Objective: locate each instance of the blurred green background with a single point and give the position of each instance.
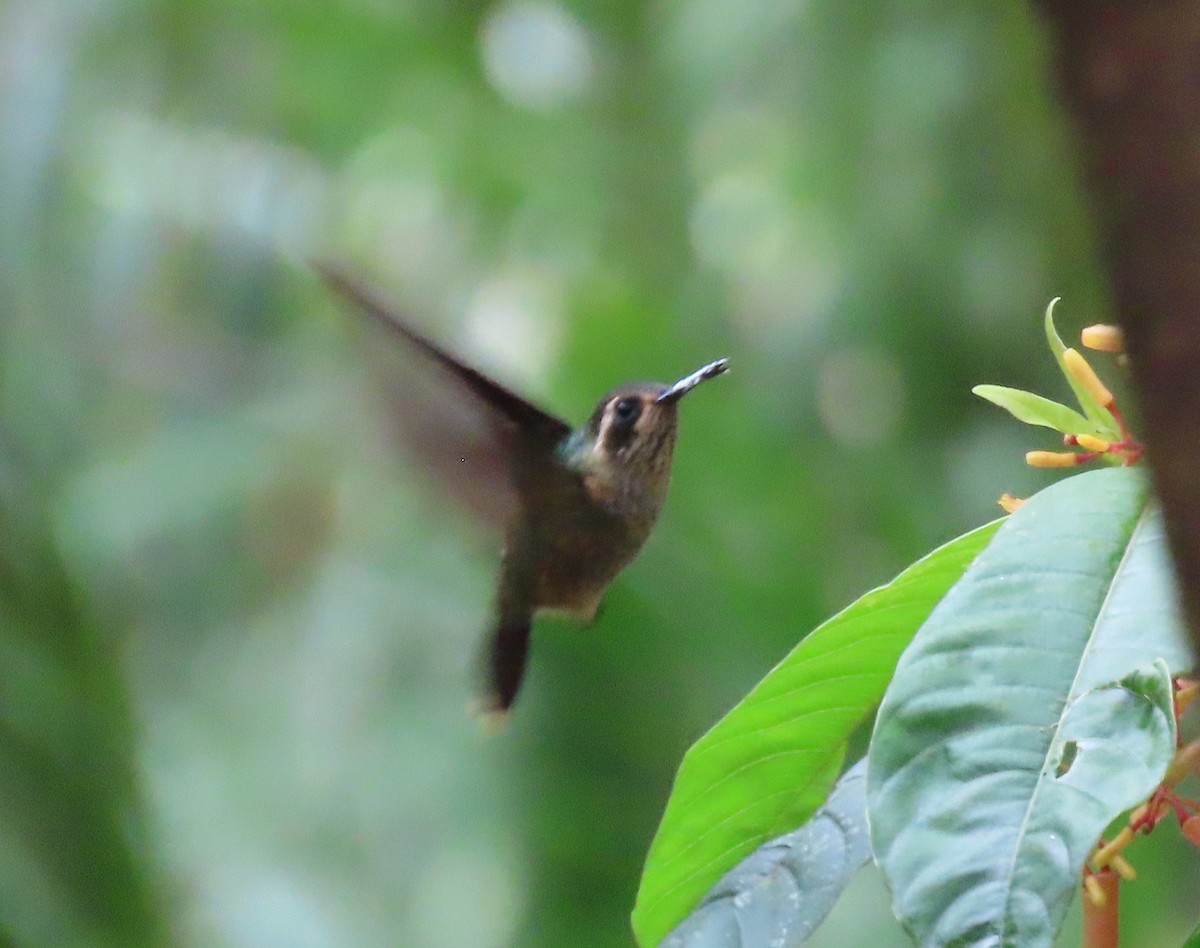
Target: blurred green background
(237, 631)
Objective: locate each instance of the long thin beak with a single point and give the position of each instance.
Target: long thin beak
(685, 385)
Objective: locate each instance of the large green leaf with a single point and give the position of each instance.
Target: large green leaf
(766, 766)
(1032, 708)
(781, 892)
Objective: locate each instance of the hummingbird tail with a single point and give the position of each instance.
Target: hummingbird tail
(508, 651)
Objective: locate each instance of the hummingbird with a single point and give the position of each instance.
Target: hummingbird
(574, 505)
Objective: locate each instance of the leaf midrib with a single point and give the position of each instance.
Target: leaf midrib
(1043, 778)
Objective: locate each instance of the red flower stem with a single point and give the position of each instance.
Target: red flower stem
(1101, 923)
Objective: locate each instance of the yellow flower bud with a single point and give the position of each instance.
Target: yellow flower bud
(1103, 338)
(1105, 854)
(1092, 443)
(1078, 366)
(1123, 868)
(1051, 459)
(1095, 891)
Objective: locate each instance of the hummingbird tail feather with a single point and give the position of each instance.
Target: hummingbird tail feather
(508, 651)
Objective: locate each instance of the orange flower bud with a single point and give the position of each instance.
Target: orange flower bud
(1078, 366)
(1051, 459)
(1009, 503)
(1191, 829)
(1188, 692)
(1103, 338)
(1092, 443)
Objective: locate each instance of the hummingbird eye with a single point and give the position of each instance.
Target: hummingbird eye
(626, 410)
(618, 424)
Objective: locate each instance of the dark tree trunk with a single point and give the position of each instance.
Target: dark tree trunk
(1130, 76)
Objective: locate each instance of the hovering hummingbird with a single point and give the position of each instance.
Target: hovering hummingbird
(575, 505)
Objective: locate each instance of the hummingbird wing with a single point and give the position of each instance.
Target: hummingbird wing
(462, 426)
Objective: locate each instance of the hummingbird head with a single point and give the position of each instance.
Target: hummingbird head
(633, 428)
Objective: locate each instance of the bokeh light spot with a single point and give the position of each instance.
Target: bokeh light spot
(741, 222)
(536, 54)
(476, 878)
(860, 396)
(513, 325)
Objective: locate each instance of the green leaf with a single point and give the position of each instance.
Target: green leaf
(1033, 707)
(1193, 940)
(781, 892)
(768, 764)
(1035, 410)
(1102, 421)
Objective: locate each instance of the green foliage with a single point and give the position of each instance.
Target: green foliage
(768, 764)
(285, 622)
(782, 892)
(1035, 409)
(1033, 707)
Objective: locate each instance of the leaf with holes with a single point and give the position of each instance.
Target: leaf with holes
(1032, 708)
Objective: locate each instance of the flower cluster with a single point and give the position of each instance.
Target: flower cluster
(1099, 428)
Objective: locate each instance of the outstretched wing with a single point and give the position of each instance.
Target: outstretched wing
(461, 426)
